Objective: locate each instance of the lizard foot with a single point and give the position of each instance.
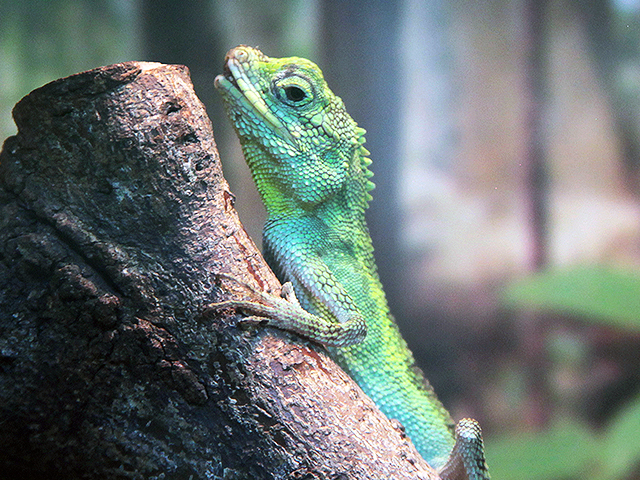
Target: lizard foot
(285, 312)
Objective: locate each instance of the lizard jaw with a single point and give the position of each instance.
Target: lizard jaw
(235, 82)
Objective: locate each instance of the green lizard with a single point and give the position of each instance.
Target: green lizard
(307, 158)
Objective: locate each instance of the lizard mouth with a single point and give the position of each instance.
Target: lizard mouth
(226, 73)
(228, 76)
(235, 82)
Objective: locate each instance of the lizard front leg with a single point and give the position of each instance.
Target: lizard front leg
(286, 313)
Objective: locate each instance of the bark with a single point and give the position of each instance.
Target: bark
(114, 220)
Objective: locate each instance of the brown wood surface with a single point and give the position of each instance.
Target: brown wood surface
(114, 220)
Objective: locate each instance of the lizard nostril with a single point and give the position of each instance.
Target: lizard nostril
(241, 55)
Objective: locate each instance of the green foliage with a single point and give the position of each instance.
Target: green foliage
(620, 445)
(569, 449)
(562, 451)
(598, 294)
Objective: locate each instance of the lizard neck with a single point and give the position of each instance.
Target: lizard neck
(314, 185)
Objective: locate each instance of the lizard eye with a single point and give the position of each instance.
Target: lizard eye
(294, 90)
(295, 94)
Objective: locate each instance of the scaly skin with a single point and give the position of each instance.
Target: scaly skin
(307, 158)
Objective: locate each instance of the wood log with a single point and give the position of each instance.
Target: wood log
(115, 223)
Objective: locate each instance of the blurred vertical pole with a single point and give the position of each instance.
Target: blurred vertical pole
(535, 154)
(531, 330)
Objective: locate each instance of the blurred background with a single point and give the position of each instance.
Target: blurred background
(505, 137)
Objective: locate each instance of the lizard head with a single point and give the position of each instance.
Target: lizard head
(292, 128)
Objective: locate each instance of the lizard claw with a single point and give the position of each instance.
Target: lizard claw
(289, 294)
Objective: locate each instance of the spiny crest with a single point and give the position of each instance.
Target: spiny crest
(365, 161)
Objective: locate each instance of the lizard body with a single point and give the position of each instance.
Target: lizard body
(307, 158)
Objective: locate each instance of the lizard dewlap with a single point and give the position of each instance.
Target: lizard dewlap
(309, 164)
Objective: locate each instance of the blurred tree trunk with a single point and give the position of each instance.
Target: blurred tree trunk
(114, 216)
(535, 158)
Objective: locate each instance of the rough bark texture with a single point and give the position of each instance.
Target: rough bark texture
(114, 216)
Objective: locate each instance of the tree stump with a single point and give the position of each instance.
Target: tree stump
(115, 221)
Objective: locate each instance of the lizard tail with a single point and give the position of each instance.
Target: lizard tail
(466, 461)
